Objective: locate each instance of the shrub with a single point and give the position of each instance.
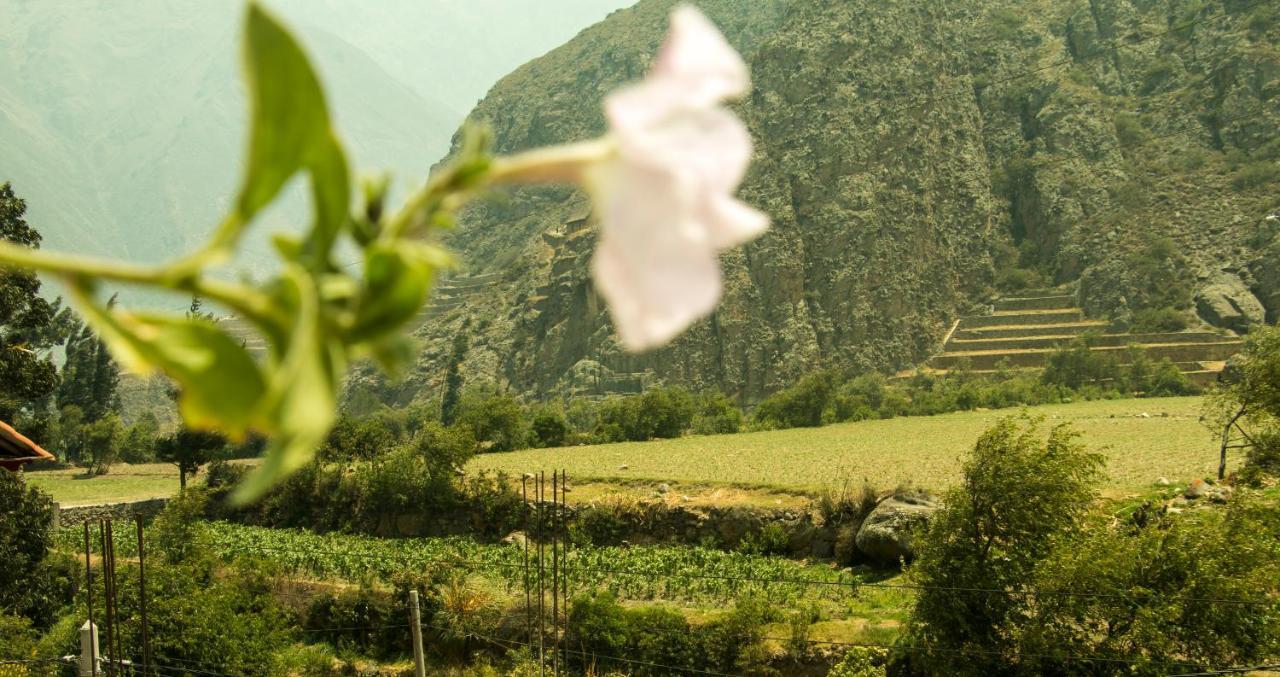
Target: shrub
(1256, 174)
(716, 415)
(1154, 320)
(363, 620)
(1075, 365)
(601, 631)
(658, 413)
(497, 421)
(1020, 494)
(1156, 585)
(548, 428)
(1129, 129)
(354, 439)
(800, 406)
(1263, 457)
(861, 662)
(35, 585)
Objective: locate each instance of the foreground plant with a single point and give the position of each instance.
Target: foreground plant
(662, 183)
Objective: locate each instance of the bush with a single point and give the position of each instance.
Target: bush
(1075, 365)
(364, 621)
(1155, 320)
(601, 631)
(656, 414)
(800, 406)
(548, 428)
(35, 585)
(861, 662)
(716, 415)
(1155, 588)
(1263, 457)
(497, 421)
(1256, 174)
(1020, 494)
(353, 439)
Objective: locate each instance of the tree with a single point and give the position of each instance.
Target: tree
(1248, 394)
(90, 377)
(496, 419)
(29, 325)
(453, 380)
(189, 449)
(1020, 495)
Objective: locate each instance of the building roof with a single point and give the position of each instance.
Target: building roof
(16, 449)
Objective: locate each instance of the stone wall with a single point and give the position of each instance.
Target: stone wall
(115, 511)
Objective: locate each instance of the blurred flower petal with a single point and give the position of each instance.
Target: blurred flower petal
(666, 198)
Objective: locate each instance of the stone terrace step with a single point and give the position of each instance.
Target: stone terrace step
(1098, 341)
(1008, 318)
(1057, 302)
(1176, 352)
(1022, 330)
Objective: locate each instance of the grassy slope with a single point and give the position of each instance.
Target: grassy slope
(924, 451)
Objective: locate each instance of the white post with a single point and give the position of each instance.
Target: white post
(415, 616)
(89, 656)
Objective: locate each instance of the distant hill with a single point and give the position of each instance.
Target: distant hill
(915, 156)
(122, 124)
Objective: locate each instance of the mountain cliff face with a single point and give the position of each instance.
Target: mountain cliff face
(910, 154)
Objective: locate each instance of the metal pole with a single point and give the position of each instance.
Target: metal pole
(88, 588)
(106, 592)
(115, 597)
(564, 565)
(528, 597)
(555, 576)
(415, 618)
(542, 573)
(142, 601)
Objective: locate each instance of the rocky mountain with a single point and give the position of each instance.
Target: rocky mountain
(122, 124)
(915, 156)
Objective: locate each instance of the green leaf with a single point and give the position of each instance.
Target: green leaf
(301, 399)
(290, 131)
(397, 279)
(222, 387)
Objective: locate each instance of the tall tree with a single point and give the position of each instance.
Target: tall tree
(29, 325)
(453, 379)
(90, 376)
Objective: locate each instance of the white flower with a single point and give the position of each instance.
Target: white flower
(666, 195)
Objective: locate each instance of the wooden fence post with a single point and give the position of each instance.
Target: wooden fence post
(415, 618)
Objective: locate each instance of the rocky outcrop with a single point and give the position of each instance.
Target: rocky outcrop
(905, 150)
(1226, 301)
(886, 536)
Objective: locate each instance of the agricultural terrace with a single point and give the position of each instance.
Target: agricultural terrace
(1143, 440)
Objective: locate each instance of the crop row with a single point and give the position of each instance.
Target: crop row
(634, 572)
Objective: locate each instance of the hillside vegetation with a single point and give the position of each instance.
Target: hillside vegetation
(916, 157)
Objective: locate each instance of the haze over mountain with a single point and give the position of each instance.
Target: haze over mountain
(122, 124)
(917, 158)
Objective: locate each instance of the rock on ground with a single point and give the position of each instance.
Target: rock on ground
(886, 534)
(1225, 301)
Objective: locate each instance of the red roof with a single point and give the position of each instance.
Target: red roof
(16, 449)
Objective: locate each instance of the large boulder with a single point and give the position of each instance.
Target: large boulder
(886, 534)
(1225, 301)
(1266, 273)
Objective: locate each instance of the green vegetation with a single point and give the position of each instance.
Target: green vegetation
(1142, 439)
(1056, 585)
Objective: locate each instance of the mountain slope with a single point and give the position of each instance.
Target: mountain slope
(911, 154)
(123, 124)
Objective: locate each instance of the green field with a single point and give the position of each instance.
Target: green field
(926, 451)
(1169, 441)
(124, 483)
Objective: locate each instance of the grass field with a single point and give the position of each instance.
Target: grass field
(124, 483)
(925, 451)
(1169, 441)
